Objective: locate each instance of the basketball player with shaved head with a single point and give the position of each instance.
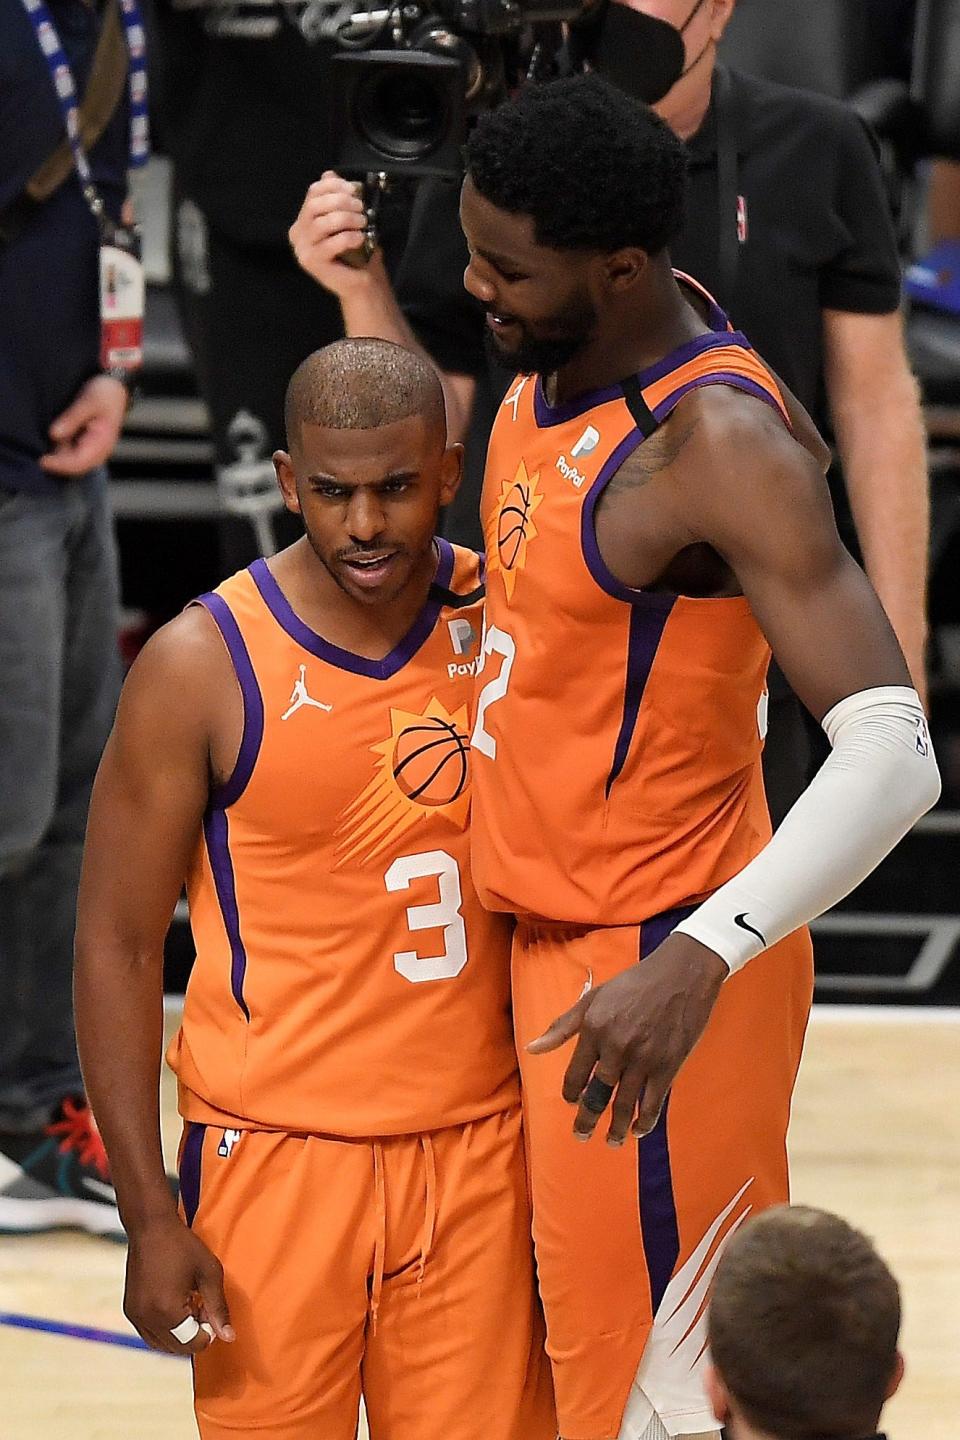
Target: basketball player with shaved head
(354, 1210)
(652, 530)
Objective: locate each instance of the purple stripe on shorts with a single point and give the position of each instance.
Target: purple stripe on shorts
(190, 1159)
(252, 737)
(717, 377)
(216, 832)
(421, 630)
(646, 629)
(658, 1211)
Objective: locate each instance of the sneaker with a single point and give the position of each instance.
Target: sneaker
(58, 1176)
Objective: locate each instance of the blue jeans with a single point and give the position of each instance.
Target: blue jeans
(59, 681)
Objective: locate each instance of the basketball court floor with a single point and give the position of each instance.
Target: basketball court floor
(875, 1136)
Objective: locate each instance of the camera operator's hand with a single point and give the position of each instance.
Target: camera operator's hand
(332, 222)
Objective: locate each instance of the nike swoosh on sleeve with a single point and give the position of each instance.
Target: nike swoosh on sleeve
(741, 920)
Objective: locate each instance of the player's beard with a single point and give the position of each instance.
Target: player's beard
(407, 562)
(570, 330)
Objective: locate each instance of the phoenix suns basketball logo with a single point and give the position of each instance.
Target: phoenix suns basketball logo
(423, 768)
(514, 526)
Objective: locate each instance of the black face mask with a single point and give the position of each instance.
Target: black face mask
(639, 54)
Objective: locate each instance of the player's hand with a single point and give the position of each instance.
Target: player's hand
(332, 221)
(171, 1275)
(85, 434)
(635, 1031)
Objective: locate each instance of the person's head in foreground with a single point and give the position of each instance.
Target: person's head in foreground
(368, 466)
(803, 1325)
(573, 194)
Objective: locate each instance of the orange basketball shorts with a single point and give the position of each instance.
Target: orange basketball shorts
(401, 1269)
(627, 1240)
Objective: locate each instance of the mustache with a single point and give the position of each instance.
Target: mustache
(367, 552)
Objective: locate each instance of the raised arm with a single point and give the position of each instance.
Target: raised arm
(145, 819)
(331, 223)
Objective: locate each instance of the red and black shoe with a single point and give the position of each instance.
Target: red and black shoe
(58, 1176)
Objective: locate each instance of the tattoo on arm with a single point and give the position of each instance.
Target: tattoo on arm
(653, 455)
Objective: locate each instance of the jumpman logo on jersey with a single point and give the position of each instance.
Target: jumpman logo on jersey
(514, 399)
(299, 698)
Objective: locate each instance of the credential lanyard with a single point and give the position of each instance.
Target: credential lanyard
(61, 77)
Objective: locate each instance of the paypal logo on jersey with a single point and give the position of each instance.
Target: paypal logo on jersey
(570, 472)
(587, 443)
(463, 637)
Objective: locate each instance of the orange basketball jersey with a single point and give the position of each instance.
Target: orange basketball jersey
(618, 733)
(347, 980)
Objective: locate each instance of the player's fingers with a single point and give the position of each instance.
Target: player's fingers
(214, 1302)
(580, 1068)
(596, 1096)
(625, 1105)
(651, 1104)
(563, 1029)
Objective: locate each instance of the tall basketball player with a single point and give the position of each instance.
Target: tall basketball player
(355, 1212)
(652, 530)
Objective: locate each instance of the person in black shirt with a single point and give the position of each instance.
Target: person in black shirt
(242, 110)
(797, 245)
(803, 1325)
(59, 602)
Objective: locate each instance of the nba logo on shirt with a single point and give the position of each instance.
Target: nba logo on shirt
(588, 441)
(462, 636)
(742, 219)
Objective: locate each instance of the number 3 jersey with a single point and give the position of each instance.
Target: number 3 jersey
(618, 734)
(347, 979)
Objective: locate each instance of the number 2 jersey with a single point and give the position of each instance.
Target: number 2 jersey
(618, 734)
(347, 979)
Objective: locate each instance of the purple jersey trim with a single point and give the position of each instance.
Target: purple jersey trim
(191, 1157)
(717, 318)
(546, 414)
(421, 630)
(658, 1211)
(656, 601)
(252, 738)
(216, 832)
(646, 630)
(717, 377)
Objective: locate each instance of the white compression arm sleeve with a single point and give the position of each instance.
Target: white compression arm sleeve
(879, 779)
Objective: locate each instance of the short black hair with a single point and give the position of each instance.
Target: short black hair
(360, 384)
(593, 168)
(803, 1324)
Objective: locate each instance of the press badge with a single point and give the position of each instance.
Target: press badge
(121, 300)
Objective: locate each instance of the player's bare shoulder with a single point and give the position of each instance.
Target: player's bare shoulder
(182, 692)
(742, 464)
(721, 459)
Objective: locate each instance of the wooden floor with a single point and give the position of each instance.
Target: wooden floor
(876, 1136)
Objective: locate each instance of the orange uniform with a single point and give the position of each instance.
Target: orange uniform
(346, 1063)
(617, 771)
